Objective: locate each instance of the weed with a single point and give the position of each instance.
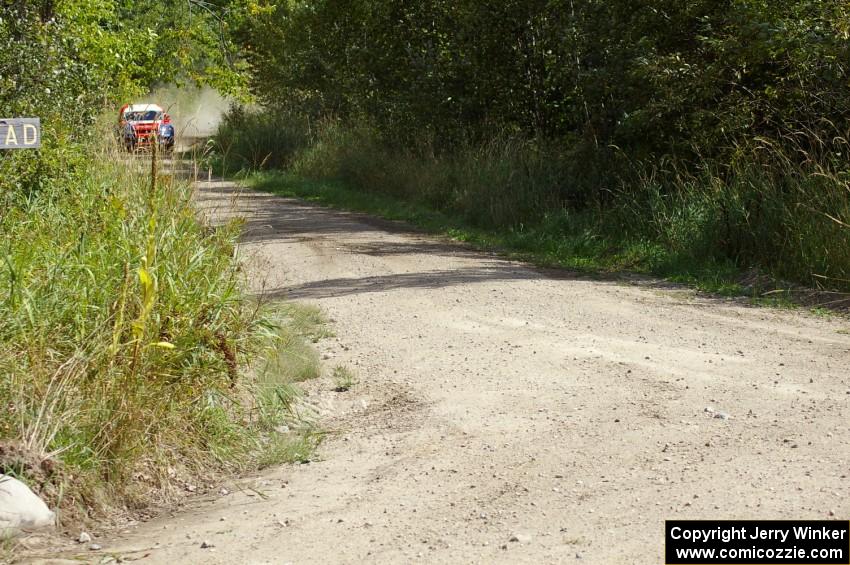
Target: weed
(297, 446)
(293, 359)
(8, 548)
(268, 141)
(782, 299)
(306, 320)
(344, 379)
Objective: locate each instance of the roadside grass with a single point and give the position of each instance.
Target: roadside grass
(566, 240)
(289, 434)
(298, 447)
(773, 218)
(294, 358)
(777, 299)
(305, 320)
(821, 312)
(132, 360)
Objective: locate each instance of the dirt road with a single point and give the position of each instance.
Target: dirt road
(510, 415)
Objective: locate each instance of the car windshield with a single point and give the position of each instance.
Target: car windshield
(149, 116)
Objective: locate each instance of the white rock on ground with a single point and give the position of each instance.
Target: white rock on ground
(20, 509)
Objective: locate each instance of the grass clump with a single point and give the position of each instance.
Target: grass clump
(289, 436)
(294, 358)
(343, 378)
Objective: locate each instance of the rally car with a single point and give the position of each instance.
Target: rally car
(141, 125)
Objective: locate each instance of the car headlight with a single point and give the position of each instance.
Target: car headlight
(166, 131)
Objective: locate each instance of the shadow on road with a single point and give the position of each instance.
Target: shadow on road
(426, 280)
(267, 221)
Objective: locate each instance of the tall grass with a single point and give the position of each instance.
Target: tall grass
(774, 209)
(779, 206)
(252, 140)
(126, 340)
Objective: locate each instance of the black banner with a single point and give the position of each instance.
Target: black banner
(754, 542)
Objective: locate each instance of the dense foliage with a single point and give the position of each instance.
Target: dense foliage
(714, 129)
(657, 75)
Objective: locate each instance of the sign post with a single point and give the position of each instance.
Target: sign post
(20, 133)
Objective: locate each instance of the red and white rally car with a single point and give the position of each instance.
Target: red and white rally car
(140, 125)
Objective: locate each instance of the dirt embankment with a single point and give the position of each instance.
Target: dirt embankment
(505, 414)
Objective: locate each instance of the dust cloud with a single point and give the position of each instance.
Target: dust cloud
(195, 112)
